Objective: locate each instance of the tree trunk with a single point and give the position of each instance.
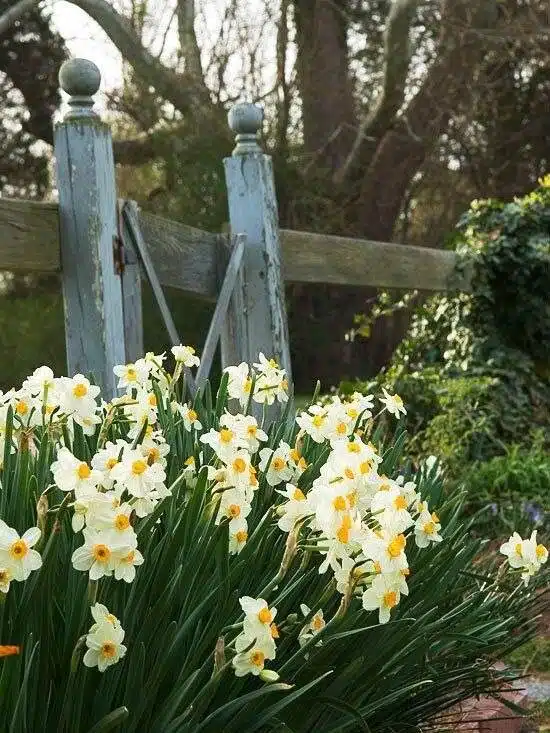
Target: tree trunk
(320, 315)
(329, 117)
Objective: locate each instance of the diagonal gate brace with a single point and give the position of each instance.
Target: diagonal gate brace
(131, 219)
(222, 304)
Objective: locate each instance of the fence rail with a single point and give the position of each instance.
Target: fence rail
(185, 257)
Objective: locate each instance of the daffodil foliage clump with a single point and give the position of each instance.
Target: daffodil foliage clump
(179, 565)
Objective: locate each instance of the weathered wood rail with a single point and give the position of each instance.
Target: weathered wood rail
(90, 238)
(185, 257)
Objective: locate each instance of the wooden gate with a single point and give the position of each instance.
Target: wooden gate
(104, 247)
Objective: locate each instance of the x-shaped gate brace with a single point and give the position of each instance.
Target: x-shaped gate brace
(129, 216)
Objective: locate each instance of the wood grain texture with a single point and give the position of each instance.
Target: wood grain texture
(184, 257)
(220, 312)
(322, 258)
(130, 215)
(92, 292)
(253, 212)
(29, 236)
(188, 258)
(131, 295)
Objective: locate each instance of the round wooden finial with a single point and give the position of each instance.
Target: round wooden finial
(80, 79)
(245, 119)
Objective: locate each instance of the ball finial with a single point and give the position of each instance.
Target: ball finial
(245, 119)
(80, 79)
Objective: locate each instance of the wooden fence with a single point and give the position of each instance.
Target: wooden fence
(91, 239)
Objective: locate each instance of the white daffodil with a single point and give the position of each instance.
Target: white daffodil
(383, 595)
(190, 417)
(352, 571)
(92, 508)
(72, 474)
(116, 517)
(238, 470)
(246, 428)
(258, 617)
(6, 577)
(27, 409)
(297, 462)
(339, 424)
(393, 403)
(233, 506)
(295, 508)
(77, 397)
(239, 385)
(105, 646)
(88, 423)
(102, 616)
(186, 355)
(314, 423)
(426, 529)
(360, 406)
(316, 624)
(331, 500)
(132, 376)
(16, 554)
(391, 510)
(386, 548)
(134, 474)
(276, 464)
(107, 458)
(155, 448)
(125, 565)
(513, 549)
(101, 552)
(271, 382)
(40, 382)
(527, 555)
(224, 443)
(361, 457)
(238, 535)
(252, 660)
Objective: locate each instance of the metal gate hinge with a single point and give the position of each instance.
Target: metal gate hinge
(118, 254)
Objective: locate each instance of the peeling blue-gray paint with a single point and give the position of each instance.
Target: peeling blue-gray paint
(92, 292)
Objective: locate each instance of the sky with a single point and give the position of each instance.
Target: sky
(85, 38)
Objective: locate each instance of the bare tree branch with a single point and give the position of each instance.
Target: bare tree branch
(176, 88)
(397, 56)
(283, 102)
(166, 32)
(404, 146)
(189, 48)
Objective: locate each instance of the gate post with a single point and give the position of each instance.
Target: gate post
(91, 258)
(256, 319)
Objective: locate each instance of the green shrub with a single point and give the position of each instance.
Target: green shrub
(497, 336)
(339, 668)
(515, 487)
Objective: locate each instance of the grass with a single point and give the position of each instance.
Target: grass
(540, 714)
(533, 657)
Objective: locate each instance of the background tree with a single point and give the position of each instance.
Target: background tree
(30, 56)
(384, 118)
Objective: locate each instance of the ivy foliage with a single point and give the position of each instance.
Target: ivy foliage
(474, 367)
(510, 248)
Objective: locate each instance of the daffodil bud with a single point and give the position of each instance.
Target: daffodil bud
(42, 507)
(268, 675)
(219, 654)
